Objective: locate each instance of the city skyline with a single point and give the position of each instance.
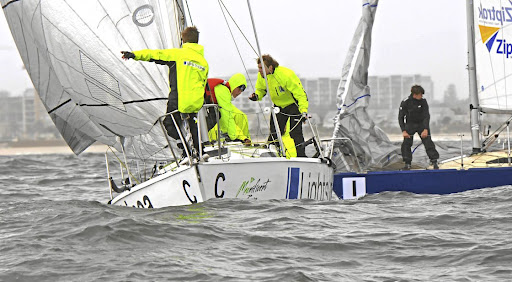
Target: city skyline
(313, 45)
(24, 117)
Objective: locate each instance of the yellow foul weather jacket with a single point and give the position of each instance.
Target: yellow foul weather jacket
(232, 121)
(285, 89)
(187, 75)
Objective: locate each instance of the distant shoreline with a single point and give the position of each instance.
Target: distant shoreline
(60, 147)
(42, 150)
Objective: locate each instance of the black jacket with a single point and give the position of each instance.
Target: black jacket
(413, 112)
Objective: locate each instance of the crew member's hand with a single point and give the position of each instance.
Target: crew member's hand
(424, 133)
(247, 142)
(305, 116)
(127, 55)
(253, 97)
(405, 134)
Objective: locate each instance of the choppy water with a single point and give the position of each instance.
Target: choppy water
(55, 225)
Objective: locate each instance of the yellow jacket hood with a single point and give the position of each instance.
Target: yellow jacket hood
(237, 80)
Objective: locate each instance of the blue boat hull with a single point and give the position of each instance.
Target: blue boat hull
(445, 181)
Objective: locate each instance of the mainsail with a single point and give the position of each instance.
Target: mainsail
(371, 144)
(493, 52)
(71, 50)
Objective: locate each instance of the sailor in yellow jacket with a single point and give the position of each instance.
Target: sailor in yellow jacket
(188, 71)
(287, 93)
(232, 120)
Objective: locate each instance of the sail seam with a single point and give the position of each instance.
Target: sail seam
(8, 3)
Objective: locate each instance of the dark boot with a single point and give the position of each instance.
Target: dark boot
(434, 164)
(407, 167)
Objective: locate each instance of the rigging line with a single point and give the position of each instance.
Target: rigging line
(9, 3)
(189, 14)
(239, 29)
(493, 79)
(504, 65)
(234, 41)
(227, 23)
(176, 17)
(181, 10)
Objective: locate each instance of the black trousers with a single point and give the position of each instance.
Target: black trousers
(430, 147)
(290, 112)
(180, 118)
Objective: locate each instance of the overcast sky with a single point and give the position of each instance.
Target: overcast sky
(312, 38)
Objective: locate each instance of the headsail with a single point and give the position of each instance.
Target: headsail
(70, 49)
(493, 53)
(372, 145)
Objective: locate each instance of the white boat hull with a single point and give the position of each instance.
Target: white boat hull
(258, 179)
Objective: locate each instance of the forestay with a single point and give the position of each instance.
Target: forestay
(71, 50)
(493, 53)
(373, 148)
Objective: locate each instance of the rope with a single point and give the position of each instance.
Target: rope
(189, 14)
(234, 41)
(124, 165)
(222, 8)
(221, 4)
(248, 42)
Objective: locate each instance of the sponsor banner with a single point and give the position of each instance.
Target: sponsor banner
(493, 51)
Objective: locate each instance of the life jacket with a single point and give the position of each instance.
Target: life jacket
(209, 90)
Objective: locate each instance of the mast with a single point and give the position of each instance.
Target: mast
(273, 113)
(473, 90)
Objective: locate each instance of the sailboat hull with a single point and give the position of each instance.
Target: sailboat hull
(257, 179)
(444, 181)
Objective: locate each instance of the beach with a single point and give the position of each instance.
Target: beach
(42, 150)
(60, 147)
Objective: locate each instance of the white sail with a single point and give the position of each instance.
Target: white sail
(372, 146)
(71, 50)
(493, 53)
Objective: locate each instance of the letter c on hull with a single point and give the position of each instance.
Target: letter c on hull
(216, 182)
(185, 183)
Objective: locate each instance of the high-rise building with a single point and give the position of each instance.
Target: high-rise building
(22, 117)
(28, 113)
(388, 91)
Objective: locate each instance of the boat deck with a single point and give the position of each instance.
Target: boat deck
(479, 171)
(480, 160)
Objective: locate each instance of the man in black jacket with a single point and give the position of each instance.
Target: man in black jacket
(414, 117)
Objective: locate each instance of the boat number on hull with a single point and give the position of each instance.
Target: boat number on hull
(185, 183)
(354, 187)
(145, 204)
